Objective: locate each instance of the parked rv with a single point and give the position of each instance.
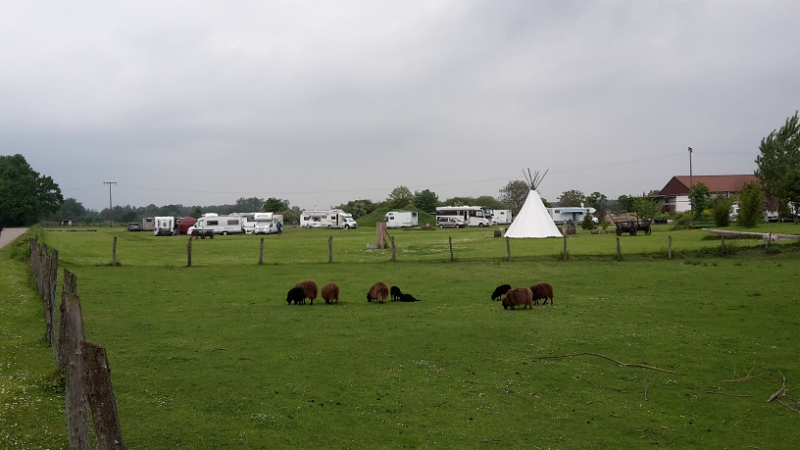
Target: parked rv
(473, 216)
(502, 217)
(401, 219)
(266, 223)
(565, 214)
(335, 218)
(163, 226)
(223, 225)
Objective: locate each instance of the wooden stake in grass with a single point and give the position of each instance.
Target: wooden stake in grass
(508, 249)
(261, 253)
(450, 240)
(394, 252)
(565, 247)
(619, 249)
(669, 248)
(189, 252)
(330, 248)
(100, 396)
(114, 253)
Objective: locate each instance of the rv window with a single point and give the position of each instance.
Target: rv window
(558, 211)
(413, 214)
(213, 222)
(233, 222)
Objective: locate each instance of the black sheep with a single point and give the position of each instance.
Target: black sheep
(408, 298)
(395, 292)
(500, 291)
(296, 295)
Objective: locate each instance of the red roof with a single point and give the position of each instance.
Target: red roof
(679, 185)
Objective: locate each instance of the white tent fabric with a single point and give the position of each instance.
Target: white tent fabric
(533, 221)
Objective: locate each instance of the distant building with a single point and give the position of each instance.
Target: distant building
(674, 197)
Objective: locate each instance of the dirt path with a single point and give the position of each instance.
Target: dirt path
(9, 234)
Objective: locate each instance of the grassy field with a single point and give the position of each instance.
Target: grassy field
(213, 357)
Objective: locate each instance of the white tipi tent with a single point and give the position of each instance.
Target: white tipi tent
(533, 221)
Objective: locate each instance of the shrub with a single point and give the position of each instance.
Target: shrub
(721, 212)
(587, 223)
(682, 221)
(751, 204)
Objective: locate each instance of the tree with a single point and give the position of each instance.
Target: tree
(722, 211)
(71, 209)
(128, 216)
(780, 159)
(624, 204)
(400, 198)
(358, 208)
(700, 197)
(751, 204)
(599, 202)
(25, 195)
(514, 195)
(571, 198)
(197, 213)
(251, 204)
(274, 205)
(426, 200)
(793, 193)
(645, 207)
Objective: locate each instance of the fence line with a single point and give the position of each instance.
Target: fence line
(83, 363)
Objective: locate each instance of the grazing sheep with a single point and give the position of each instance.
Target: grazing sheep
(519, 296)
(542, 291)
(395, 291)
(379, 291)
(309, 288)
(330, 292)
(295, 295)
(409, 298)
(500, 291)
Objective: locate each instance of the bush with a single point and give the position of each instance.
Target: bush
(751, 204)
(587, 223)
(721, 212)
(682, 221)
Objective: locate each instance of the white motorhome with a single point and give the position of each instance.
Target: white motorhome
(163, 226)
(223, 225)
(335, 218)
(266, 223)
(502, 217)
(473, 216)
(401, 219)
(565, 214)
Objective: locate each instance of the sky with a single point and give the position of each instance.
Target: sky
(320, 102)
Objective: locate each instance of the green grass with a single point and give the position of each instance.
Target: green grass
(213, 357)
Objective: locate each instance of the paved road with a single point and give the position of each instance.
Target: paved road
(9, 234)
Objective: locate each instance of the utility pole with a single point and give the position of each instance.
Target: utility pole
(691, 206)
(110, 205)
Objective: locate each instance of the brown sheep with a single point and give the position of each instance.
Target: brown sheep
(542, 291)
(330, 292)
(379, 291)
(519, 296)
(309, 288)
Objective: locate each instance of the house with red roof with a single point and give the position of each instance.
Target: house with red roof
(674, 197)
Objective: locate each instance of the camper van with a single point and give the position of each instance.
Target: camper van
(565, 214)
(401, 219)
(335, 218)
(223, 225)
(163, 226)
(473, 216)
(502, 217)
(266, 223)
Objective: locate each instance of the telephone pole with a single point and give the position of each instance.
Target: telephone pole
(691, 205)
(110, 205)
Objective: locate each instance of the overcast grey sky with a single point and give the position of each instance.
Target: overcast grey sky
(322, 102)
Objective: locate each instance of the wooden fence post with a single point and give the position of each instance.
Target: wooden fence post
(114, 253)
(769, 239)
(619, 249)
(330, 249)
(69, 287)
(75, 408)
(261, 253)
(508, 249)
(669, 248)
(49, 277)
(100, 396)
(189, 252)
(394, 251)
(450, 239)
(565, 247)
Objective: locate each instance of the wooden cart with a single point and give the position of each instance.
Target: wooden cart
(630, 223)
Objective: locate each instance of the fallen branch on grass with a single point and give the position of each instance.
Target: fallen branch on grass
(784, 404)
(619, 363)
(710, 391)
(605, 387)
(744, 378)
(782, 390)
